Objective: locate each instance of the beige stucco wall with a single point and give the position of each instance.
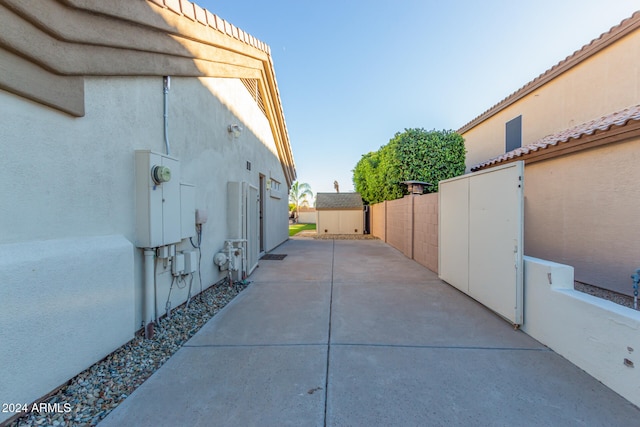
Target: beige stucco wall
(607, 82)
(340, 222)
(400, 224)
(67, 177)
(583, 210)
(379, 220)
(425, 230)
(410, 225)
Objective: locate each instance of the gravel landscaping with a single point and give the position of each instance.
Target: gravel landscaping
(621, 299)
(93, 393)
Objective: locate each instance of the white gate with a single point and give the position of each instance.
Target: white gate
(481, 222)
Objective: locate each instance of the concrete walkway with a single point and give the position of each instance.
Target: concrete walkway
(352, 333)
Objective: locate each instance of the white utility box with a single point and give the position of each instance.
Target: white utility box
(190, 262)
(177, 266)
(157, 200)
(236, 209)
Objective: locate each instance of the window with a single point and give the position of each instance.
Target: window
(513, 134)
(275, 189)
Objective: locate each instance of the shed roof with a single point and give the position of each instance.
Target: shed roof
(621, 125)
(338, 201)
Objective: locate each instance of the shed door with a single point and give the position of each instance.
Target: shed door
(480, 233)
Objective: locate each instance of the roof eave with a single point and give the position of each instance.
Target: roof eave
(141, 38)
(616, 133)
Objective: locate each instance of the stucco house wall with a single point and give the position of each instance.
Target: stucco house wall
(580, 140)
(598, 79)
(587, 222)
(71, 278)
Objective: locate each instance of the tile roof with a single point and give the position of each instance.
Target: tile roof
(338, 201)
(602, 124)
(196, 13)
(617, 32)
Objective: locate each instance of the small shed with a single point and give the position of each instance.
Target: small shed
(339, 213)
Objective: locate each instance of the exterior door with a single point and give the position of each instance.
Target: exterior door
(253, 228)
(261, 202)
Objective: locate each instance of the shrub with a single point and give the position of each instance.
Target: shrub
(415, 154)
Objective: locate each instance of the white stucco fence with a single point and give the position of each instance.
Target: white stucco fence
(307, 217)
(598, 336)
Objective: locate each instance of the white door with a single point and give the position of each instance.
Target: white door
(453, 234)
(253, 228)
(480, 233)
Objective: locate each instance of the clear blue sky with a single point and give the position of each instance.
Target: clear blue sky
(351, 74)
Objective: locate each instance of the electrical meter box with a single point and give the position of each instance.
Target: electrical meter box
(158, 208)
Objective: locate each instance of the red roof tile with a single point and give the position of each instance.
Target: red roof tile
(602, 124)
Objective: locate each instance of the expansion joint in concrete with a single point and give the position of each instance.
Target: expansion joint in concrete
(326, 382)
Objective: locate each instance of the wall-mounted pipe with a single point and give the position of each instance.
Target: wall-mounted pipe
(236, 248)
(636, 280)
(149, 292)
(166, 86)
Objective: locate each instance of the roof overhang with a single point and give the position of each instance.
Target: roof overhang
(617, 127)
(70, 39)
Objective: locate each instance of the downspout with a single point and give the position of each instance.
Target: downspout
(166, 83)
(149, 292)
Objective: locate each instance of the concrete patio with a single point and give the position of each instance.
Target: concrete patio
(352, 333)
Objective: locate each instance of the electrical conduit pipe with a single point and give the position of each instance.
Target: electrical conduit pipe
(166, 81)
(148, 296)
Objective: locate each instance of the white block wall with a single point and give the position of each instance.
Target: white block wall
(599, 336)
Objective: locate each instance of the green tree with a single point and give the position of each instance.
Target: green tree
(365, 177)
(299, 192)
(414, 154)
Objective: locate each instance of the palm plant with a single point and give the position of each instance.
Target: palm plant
(299, 192)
